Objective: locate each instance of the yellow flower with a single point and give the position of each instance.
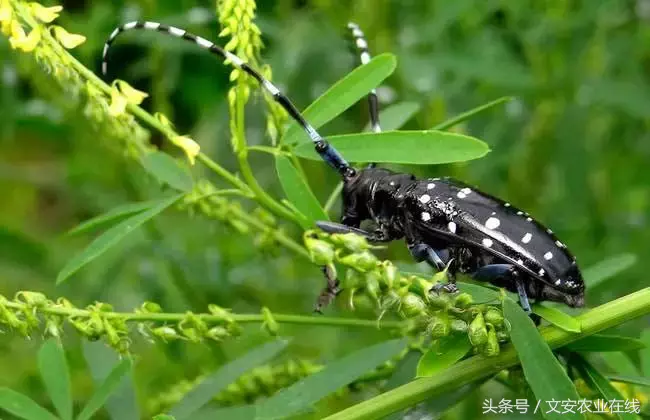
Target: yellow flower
(118, 103)
(133, 96)
(45, 14)
(163, 119)
(5, 12)
(67, 39)
(23, 42)
(189, 146)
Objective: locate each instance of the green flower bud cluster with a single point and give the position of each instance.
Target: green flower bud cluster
(262, 381)
(374, 285)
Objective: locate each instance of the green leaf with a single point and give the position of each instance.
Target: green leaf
(604, 342)
(445, 353)
(606, 269)
(227, 374)
(342, 95)
(396, 115)
(298, 192)
(410, 147)
(114, 214)
(108, 386)
(111, 237)
(543, 372)
(645, 354)
(480, 294)
(634, 380)
(469, 114)
(313, 388)
(557, 318)
(56, 378)
(163, 417)
(22, 406)
(600, 383)
(168, 170)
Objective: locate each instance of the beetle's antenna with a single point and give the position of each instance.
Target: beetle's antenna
(323, 148)
(373, 103)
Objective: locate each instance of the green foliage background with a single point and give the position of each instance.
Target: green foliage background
(573, 148)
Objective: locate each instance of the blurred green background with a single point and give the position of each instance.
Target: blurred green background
(572, 147)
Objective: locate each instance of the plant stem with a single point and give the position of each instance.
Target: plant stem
(209, 318)
(333, 196)
(605, 316)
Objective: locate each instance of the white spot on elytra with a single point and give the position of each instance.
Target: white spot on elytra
(425, 199)
(558, 281)
(492, 223)
(431, 186)
(506, 204)
(463, 193)
(452, 227)
(520, 261)
(541, 271)
(527, 237)
(549, 231)
(559, 244)
(519, 213)
(426, 216)
(392, 183)
(528, 219)
(487, 242)
(548, 255)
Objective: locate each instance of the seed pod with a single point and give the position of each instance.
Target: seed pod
(439, 301)
(351, 241)
(222, 313)
(372, 285)
(31, 298)
(362, 261)
(320, 252)
(217, 333)
(166, 333)
(420, 286)
(477, 332)
(353, 279)
(492, 345)
(463, 301)
(151, 307)
(270, 324)
(494, 316)
(438, 326)
(389, 273)
(458, 325)
(413, 305)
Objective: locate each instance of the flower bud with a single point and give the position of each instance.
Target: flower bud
(413, 305)
(151, 307)
(217, 333)
(31, 298)
(494, 316)
(477, 332)
(438, 326)
(221, 313)
(372, 285)
(438, 301)
(389, 273)
(166, 333)
(353, 279)
(362, 261)
(463, 301)
(458, 325)
(320, 252)
(351, 241)
(270, 324)
(492, 345)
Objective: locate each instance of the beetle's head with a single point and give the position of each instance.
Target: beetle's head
(573, 291)
(357, 190)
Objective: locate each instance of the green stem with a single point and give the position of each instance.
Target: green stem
(333, 196)
(605, 316)
(209, 318)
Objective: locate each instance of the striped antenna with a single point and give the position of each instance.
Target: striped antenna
(323, 148)
(362, 45)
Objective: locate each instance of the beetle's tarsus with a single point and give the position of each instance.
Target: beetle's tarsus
(448, 287)
(523, 297)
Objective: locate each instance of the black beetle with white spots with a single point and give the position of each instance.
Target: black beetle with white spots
(443, 221)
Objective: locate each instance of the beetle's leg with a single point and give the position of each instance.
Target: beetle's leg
(435, 258)
(380, 235)
(330, 291)
(494, 271)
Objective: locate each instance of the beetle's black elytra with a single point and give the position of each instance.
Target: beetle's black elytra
(442, 220)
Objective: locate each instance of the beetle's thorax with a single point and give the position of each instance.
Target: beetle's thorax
(375, 194)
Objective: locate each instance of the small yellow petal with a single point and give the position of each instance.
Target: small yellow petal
(118, 103)
(163, 119)
(189, 146)
(67, 39)
(5, 11)
(31, 41)
(132, 95)
(45, 14)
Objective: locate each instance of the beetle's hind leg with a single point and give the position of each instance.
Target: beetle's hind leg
(492, 272)
(436, 259)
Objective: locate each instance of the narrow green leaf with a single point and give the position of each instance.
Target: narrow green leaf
(448, 351)
(557, 317)
(240, 412)
(342, 95)
(469, 114)
(620, 363)
(645, 354)
(55, 376)
(543, 372)
(112, 215)
(410, 147)
(396, 115)
(480, 294)
(313, 388)
(111, 237)
(600, 383)
(105, 390)
(604, 342)
(606, 269)
(168, 170)
(298, 192)
(22, 406)
(163, 417)
(101, 360)
(227, 374)
(634, 380)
